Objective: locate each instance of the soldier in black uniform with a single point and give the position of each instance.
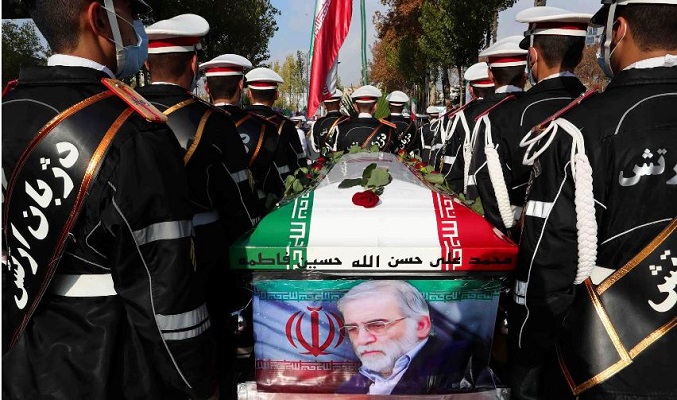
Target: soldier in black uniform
(555, 42)
(225, 82)
(405, 133)
(604, 186)
(459, 126)
(365, 130)
(107, 213)
(428, 131)
(506, 62)
(225, 206)
(322, 133)
(262, 91)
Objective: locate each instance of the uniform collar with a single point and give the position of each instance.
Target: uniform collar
(66, 60)
(667, 60)
(559, 75)
(508, 89)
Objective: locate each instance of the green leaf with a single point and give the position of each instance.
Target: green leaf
(366, 174)
(379, 177)
(297, 186)
(354, 149)
(434, 178)
(350, 182)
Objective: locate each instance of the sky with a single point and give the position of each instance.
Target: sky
(296, 21)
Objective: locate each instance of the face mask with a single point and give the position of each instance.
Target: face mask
(605, 52)
(604, 65)
(193, 84)
(530, 71)
(130, 58)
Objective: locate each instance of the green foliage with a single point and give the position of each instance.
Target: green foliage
(373, 178)
(236, 26)
(20, 47)
(293, 92)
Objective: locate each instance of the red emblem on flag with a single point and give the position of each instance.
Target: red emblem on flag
(320, 339)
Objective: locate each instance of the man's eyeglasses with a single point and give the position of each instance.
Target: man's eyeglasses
(375, 327)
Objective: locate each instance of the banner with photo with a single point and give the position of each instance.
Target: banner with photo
(299, 347)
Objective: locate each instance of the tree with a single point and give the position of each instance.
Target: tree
(20, 47)
(236, 26)
(454, 31)
(398, 61)
(294, 89)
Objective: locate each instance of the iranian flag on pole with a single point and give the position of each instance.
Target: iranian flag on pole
(330, 28)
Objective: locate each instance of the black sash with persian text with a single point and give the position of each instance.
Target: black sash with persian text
(44, 197)
(629, 311)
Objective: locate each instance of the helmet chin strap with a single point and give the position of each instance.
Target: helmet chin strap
(606, 49)
(113, 20)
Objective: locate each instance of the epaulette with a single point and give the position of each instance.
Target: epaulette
(574, 103)
(135, 101)
(385, 122)
(10, 85)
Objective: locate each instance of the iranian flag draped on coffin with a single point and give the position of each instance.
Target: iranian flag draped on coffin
(412, 228)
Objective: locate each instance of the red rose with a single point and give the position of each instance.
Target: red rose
(321, 160)
(402, 152)
(316, 167)
(420, 165)
(366, 199)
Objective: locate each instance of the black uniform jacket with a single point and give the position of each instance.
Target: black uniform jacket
(453, 148)
(262, 143)
(509, 123)
(322, 134)
(630, 134)
(437, 368)
(492, 100)
(427, 133)
(405, 133)
(365, 132)
(152, 339)
(218, 166)
(291, 155)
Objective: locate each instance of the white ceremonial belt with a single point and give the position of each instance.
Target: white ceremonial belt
(539, 209)
(83, 285)
(283, 169)
(599, 274)
(471, 180)
(438, 146)
(449, 159)
(205, 218)
(261, 194)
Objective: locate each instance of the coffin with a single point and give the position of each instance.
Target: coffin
(311, 250)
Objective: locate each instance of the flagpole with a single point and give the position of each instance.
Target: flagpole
(364, 43)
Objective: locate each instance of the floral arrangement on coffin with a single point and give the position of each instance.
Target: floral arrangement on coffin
(306, 178)
(435, 180)
(373, 179)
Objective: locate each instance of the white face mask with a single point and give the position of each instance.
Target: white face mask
(605, 52)
(130, 58)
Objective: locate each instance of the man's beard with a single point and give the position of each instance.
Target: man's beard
(391, 350)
